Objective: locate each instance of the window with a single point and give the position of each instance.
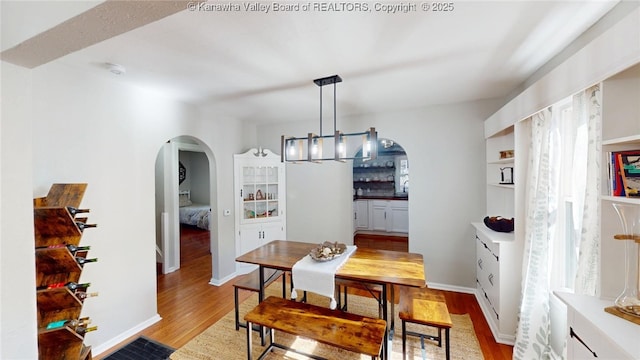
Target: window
(569, 149)
(403, 173)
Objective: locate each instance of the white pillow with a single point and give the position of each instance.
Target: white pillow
(184, 200)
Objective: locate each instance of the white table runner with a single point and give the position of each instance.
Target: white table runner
(318, 276)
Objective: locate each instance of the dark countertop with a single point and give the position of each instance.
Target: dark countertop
(380, 197)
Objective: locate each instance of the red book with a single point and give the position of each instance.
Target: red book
(629, 163)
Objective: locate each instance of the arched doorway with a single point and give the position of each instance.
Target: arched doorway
(188, 159)
(381, 198)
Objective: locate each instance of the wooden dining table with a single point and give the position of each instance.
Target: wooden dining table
(365, 265)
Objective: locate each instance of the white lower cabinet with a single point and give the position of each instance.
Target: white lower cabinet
(378, 215)
(361, 214)
(498, 268)
(255, 235)
(594, 333)
(252, 236)
(389, 215)
(488, 273)
(399, 221)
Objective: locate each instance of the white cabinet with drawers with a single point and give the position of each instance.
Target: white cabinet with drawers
(498, 263)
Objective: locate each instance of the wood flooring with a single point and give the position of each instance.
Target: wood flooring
(188, 304)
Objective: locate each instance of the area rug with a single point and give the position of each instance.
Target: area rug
(142, 348)
(222, 341)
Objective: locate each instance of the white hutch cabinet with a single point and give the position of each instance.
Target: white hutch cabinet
(260, 201)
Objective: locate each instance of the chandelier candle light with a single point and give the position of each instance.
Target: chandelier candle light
(318, 148)
(628, 302)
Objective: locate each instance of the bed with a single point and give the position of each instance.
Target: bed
(193, 214)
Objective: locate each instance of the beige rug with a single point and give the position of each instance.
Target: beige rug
(222, 342)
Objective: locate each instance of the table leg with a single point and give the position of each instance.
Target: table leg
(386, 351)
(249, 350)
(260, 299)
(393, 317)
(261, 291)
(447, 347)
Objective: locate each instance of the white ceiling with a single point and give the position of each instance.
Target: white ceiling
(258, 66)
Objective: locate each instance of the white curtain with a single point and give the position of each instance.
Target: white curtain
(544, 200)
(586, 111)
(532, 335)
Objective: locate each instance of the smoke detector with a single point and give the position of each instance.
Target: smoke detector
(116, 69)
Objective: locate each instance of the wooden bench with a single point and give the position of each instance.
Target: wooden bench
(251, 282)
(356, 333)
(426, 307)
(375, 290)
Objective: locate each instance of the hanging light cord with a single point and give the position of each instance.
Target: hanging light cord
(320, 111)
(334, 107)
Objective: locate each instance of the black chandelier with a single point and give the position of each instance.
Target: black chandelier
(318, 148)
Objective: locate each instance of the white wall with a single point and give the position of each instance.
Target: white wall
(17, 259)
(445, 147)
(93, 128)
(198, 174)
(611, 52)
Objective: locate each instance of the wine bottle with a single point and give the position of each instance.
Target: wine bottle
(83, 226)
(74, 249)
(81, 330)
(83, 261)
(70, 285)
(57, 324)
(73, 211)
(83, 295)
(71, 323)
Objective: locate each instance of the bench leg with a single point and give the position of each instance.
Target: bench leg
(249, 349)
(446, 343)
(404, 340)
(237, 305)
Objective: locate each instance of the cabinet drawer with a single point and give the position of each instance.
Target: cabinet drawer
(487, 304)
(489, 245)
(488, 271)
(586, 341)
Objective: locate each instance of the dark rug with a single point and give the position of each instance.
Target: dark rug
(142, 348)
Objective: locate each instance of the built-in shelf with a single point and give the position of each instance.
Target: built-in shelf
(508, 186)
(620, 199)
(626, 140)
(503, 161)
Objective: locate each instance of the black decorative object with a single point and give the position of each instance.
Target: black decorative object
(506, 175)
(498, 223)
(182, 172)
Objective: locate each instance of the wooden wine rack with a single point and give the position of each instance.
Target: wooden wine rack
(54, 225)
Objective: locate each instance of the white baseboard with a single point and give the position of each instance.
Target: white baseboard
(500, 338)
(96, 350)
(447, 287)
(220, 282)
